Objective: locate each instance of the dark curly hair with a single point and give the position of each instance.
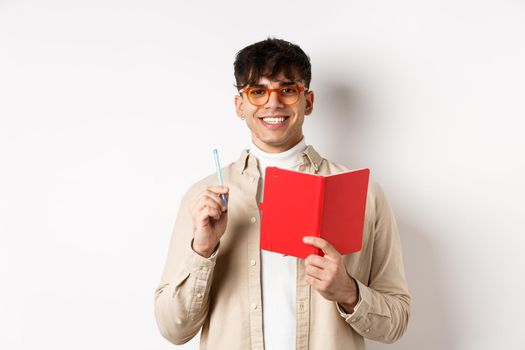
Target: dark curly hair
(269, 58)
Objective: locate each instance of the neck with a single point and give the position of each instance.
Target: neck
(275, 149)
(289, 152)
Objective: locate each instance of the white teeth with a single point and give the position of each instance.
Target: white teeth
(274, 120)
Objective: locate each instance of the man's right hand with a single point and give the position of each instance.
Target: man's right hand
(210, 216)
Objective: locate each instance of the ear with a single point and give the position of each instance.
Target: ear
(309, 103)
(239, 105)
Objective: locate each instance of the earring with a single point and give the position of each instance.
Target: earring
(242, 117)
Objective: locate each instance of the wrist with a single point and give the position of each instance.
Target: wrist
(352, 299)
(203, 250)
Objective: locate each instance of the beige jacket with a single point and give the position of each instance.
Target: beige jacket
(222, 294)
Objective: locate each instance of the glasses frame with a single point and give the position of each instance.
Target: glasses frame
(276, 90)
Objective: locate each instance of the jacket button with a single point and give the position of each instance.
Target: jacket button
(253, 220)
(253, 262)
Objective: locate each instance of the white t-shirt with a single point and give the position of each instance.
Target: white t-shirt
(279, 272)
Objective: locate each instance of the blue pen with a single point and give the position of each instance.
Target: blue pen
(219, 175)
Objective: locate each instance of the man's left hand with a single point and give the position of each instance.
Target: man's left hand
(328, 275)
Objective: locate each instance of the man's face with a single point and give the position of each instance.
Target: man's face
(274, 135)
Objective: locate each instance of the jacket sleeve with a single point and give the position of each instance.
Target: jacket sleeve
(384, 307)
(182, 298)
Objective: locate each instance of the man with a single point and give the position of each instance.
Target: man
(217, 279)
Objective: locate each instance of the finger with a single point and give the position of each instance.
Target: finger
(314, 282)
(322, 244)
(219, 198)
(222, 203)
(219, 189)
(207, 201)
(198, 204)
(206, 213)
(315, 272)
(200, 207)
(317, 261)
(213, 192)
(216, 199)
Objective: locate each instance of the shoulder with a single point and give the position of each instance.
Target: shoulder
(328, 167)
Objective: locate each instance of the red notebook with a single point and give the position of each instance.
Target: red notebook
(297, 204)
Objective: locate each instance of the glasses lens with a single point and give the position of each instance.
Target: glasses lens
(257, 95)
(289, 94)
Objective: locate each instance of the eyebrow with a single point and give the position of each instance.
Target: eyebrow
(281, 83)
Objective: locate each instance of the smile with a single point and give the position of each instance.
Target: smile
(274, 122)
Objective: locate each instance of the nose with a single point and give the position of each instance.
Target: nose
(273, 100)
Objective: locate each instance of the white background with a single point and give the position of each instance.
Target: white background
(109, 110)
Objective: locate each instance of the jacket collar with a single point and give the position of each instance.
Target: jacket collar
(247, 160)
